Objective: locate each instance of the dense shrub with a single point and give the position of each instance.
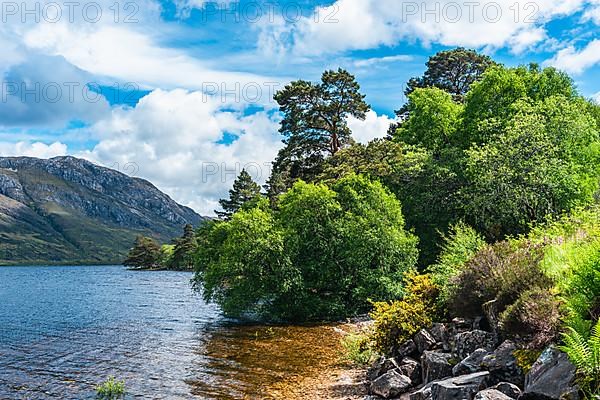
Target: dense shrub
(501, 272)
(536, 316)
(321, 255)
(358, 348)
(398, 321)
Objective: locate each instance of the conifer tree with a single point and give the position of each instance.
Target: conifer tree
(244, 190)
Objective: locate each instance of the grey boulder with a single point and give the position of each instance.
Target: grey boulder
(470, 364)
(435, 365)
(508, 389)
(491, 394)
(467, 342)
(410, 368)
(502, 365)
(424, 341)
(551, 377)
(460, 387)
(390, 384)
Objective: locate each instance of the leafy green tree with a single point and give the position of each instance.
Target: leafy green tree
(244, 190)
(491, 102)
(434, 120)
(425, 184)
(546, 161)
(184, 249)
(243, 265)
(322, 254)
(314, 125)
(146, 253)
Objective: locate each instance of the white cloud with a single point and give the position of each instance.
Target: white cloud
(369, 62)
(131, 56)
(374, 126)
(351, 25)
(33, 149)
(576, 61)
(174, 139)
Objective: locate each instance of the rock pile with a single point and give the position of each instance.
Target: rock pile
(463, 361)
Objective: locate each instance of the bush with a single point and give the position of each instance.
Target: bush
(321, 255)
(111, 389)
(536, 315)
(358, 349)
(398, 321)
(501, 272)
(460, 245)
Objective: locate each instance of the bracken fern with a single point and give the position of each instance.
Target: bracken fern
(584, 353)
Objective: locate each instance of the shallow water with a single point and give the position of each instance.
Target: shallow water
(65, 329)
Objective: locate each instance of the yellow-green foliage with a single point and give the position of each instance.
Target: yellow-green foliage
(358, 349)
(398, 321)
(526, 358)
(111, 389)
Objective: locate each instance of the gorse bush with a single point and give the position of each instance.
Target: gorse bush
(320, 255)
(111, 389)
(396, 322)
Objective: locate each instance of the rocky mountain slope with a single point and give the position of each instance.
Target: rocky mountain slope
(69, 210)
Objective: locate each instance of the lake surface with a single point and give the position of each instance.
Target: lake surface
(63, 330)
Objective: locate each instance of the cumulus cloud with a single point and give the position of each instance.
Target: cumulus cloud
(182, 142)
(33, 149)
(576, 61)
(374, 126)
(350, 25)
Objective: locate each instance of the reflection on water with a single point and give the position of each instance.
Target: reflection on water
(265, 362)
(65, 329)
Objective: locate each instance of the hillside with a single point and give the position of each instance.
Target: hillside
(69, 210)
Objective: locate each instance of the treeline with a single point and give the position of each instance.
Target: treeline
(147, 253)
(497, 149)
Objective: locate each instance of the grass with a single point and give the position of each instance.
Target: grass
(111, 389)
(357, 349)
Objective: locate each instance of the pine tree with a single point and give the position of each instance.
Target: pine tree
(185, 248)
(314, 125)
(244, 190)
(145, 253)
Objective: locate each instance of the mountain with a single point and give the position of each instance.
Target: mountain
(67, 210)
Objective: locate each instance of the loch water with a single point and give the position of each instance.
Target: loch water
(64, 329)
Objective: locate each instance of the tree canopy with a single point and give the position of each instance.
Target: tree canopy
(322, 254)
(314, 125)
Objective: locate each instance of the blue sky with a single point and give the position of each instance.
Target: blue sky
(182, 90)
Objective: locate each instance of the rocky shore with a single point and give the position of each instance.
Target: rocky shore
(466, 360)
